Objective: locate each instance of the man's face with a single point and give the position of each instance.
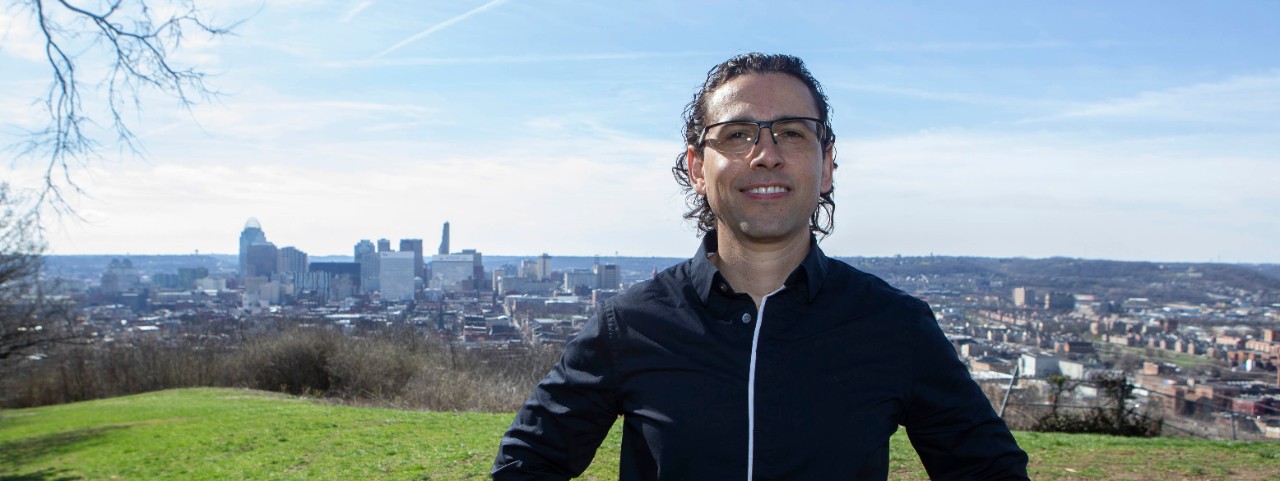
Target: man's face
(765, 195)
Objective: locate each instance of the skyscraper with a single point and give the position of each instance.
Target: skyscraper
(384, 245)
(607, 276)
(477, 266)
(444, 240)
(368, 260)
(363, 247)
(251, 234)
(292, 260)
(454, 272)
(261, 260)
(336, 280)
(395, 275)
(415, 246)
(544, 267)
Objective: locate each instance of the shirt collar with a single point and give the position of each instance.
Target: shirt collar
(705, 276)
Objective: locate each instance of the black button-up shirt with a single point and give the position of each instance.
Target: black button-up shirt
(841, 359)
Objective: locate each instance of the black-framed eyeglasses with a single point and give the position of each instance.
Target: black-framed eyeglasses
(791, 134)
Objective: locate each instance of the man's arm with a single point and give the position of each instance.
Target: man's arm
(556, 433)
(948, 419)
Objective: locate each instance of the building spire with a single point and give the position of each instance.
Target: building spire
(444, 240)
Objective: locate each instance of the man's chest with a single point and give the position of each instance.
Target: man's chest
(820, 384)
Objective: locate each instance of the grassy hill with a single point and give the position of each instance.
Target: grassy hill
(222, 434)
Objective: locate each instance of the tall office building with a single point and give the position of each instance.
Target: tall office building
(455, 272)
(337, 280)
(544, 267)
(477, 267)
(292, 261)
(252, 233)
(444, 240)
(349, 269)
(261, 260)
(415, 246)
(363, 247)
(367, 257)
(607, 276)
(384, 245)
(395, 275)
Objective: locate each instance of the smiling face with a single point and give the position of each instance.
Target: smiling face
(764, 195)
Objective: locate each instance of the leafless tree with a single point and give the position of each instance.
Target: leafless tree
(1059, 386)
(29, 318)
(116, 50)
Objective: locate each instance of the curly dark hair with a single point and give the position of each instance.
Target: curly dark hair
(822, 221)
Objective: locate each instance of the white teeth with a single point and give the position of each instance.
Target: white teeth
(772, 189)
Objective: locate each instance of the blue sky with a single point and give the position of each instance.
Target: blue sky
(1121, 130)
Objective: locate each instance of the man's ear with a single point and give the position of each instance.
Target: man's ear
(693, 161)
(828, 168)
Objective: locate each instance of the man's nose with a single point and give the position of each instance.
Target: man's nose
(766, 152)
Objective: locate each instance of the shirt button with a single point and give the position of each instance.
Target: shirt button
(746, 318)
(724, 287)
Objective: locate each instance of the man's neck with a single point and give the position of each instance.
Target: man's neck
(758, 268)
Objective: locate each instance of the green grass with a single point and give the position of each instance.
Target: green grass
(228, 434)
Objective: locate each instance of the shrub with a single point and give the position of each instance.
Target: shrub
(296, 362)
(1116, 418)
(399, 366)
(374, 369)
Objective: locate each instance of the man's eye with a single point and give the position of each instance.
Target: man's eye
(736, 132)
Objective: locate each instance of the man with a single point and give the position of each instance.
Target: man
(759, 358)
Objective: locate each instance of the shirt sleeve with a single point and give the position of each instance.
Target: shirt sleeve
(555, 435)
(949, 420)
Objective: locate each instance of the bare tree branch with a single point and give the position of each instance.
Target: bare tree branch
(136, 45)
(29, 318)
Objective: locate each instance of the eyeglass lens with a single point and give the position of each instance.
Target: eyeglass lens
(794, 135)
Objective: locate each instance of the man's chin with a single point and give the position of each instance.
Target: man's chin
(766, 232)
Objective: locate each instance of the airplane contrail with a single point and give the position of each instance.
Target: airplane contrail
(438, 27)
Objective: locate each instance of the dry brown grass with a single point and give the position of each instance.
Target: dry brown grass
(398, 367)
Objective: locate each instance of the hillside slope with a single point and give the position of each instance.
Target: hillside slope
(241, 434)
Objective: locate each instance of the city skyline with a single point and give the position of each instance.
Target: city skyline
(1142, 131)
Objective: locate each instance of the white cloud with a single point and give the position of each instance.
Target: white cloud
(21, 39)
(19, 107)
(965, 192)
(267, 119)
(958, 97)
(1238, 100)
(578, 188)
(507, 202)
